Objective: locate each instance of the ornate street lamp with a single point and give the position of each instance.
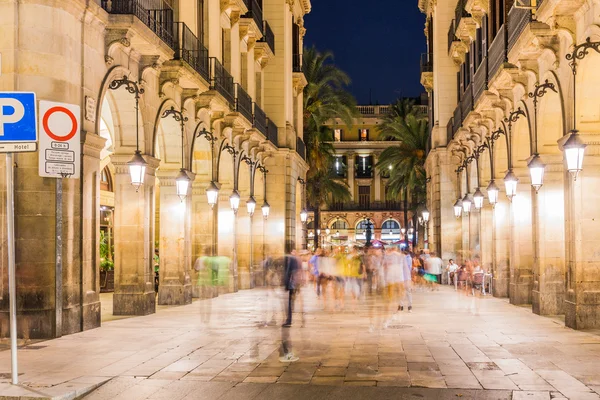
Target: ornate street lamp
(266, 208)
(182, 182)
(510, 182)
(303, 216)
(137, 165)
(251, 206)
(234, 201)
(510, 179)
(536, 166)
(493, 192)
(492, 189)
(458, 207)
(212, 194)
(574, 147)
(466, 204)
(478, 198)
(425, 214)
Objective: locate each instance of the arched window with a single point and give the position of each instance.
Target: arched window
(390, 225)
(106, 180)
(361, 230)
(339, 224)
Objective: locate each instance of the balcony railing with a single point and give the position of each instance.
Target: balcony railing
(222, 81)
(191, 50)
(297, 62)
(426, 62)
(386, 205)
(243, 102)
(155, 14)
(497, 52)
(255, 12)
(259, 121)
(452, 34)
(480, 80)
(518, 18)
(272, 132)
(457, 119)
(300, 148)
(374, 110)
(466, 102)
(268, 36)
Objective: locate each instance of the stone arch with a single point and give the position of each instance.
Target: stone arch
(588, 84)
(521, 137)
(551, 122)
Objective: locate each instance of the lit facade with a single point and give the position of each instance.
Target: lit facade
(357, 150)
(233, 68)
(501, 79)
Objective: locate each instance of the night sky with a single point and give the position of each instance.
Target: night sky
(378, 46)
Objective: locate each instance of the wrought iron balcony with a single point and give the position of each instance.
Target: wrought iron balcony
(297, 62)
(300, 148)
(518, 18)
(222, 81)
(268, 36)
(272, 131)
(255, 12)
(466, 102)
(243, 102)
(450, 130)
(260, 120)
(155, 14)
(480, 80)
(426, 62)
(497, 53)
(460, 12)
(191, 50)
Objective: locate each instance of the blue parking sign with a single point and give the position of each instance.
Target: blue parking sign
(18, 120)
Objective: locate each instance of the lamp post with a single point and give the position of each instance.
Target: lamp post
(425, 217)
(251, 207)
(574, 147)
(265, 208)
(510, 179)
(492, 189)
(234, 203)
(182, 182)
(535, 164)
(303, 213)
(458, 206)
(137, 165)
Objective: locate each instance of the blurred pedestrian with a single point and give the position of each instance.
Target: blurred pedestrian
(291, 284)
(407, 277)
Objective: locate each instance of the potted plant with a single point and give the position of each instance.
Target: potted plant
(107, 266)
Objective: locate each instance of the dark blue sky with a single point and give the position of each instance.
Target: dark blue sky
(379, 45)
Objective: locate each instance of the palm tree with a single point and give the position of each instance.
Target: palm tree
(409, 128)
(325, 97)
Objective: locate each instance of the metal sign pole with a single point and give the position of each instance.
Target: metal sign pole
(58, 261)
(12, 285)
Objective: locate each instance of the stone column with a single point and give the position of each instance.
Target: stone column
(521, 248)
(202, 236)
(501, 243)
(548, 295)
(175, 283)
(377, 178)
(134, 239)
(350, 173)
(583, 242)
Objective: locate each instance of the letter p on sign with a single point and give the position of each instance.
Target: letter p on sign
(18, 112)
(18, 120)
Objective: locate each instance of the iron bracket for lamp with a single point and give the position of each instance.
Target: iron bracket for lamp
(540, 90)
(131, 86)
(580, 51)
(496, 134)
(302, 181)
(177, 115)
(515, 115)
(207, 135)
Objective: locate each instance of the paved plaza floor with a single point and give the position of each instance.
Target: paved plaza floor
(450, 346)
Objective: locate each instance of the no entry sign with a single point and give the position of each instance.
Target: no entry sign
(60, 146)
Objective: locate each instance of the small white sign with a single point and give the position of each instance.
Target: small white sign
(18, 147)
(90, 109)
(60, 147)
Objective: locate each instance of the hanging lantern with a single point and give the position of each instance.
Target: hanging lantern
(493, 192)
(265, 209)
(536, 171)
(182, 183)
(303, 216)
(478, 199)
(458, 207)
(212, 194)
(251, 206)
(466, 204)
(510, 182)
(574, 151)
(425, 214)
(327, 231)
(234, 201)
(137, 169)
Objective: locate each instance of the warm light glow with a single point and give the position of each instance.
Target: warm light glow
(510, 182)
(212, 193)
(458, 207)
(403, 230)
(493, 192)
(574, 151)
(466, 204)
(478, 198)
(327, 231)
(536, 171)
(390, 167)
(265, 209)
(234, 201)
(137, 170)
(182, 183)
(303, 216)
(251, 206)
(425, 214)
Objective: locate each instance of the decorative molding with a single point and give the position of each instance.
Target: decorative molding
(108, 60)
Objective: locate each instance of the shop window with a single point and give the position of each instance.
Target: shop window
(363, 135)
(106, 180)
(337, 135)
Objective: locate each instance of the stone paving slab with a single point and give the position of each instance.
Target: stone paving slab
(450, 344)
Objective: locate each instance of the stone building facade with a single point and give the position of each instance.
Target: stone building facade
(357, 149)
(233, 68)
(501, 76)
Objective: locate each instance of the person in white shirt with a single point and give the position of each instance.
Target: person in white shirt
(451, 269)
(433, 267)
